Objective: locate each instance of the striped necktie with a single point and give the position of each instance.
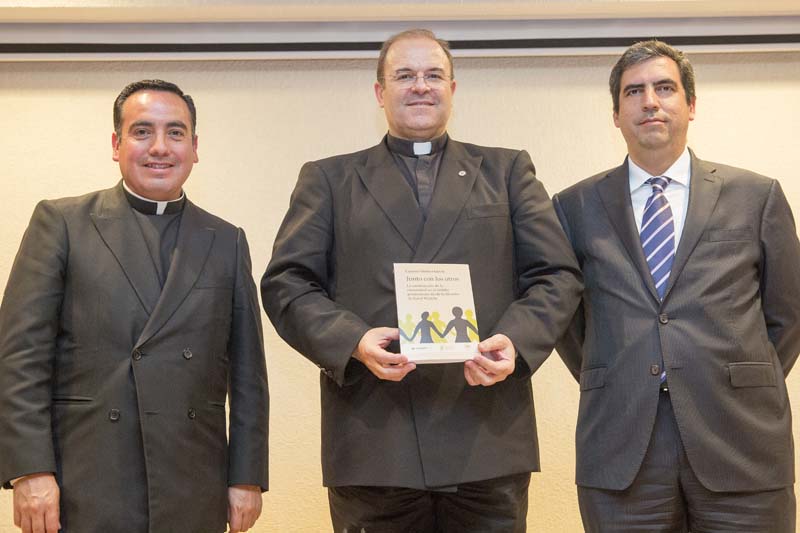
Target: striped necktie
(658, 234)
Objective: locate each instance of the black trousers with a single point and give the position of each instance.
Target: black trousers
(666, 496)
(495, 505)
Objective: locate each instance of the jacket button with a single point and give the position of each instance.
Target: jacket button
(137, 354)
(655, 370)
(663, 318)
(187, 353)
(113, 415)
(191, 413)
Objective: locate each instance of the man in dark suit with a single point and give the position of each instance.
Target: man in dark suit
(689, 323)
(433, 447)
(129, 315)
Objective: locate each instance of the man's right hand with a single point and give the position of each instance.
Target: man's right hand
(385, 365)
(36, 499)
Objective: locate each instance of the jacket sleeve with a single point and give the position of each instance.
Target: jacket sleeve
(29, 325)
(295, 287)
(570, 345)
(780, 277)
(249, 394)
(549, 282)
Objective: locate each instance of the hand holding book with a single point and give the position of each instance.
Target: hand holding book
(495, 363)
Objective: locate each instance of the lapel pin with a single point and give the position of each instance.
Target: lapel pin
(462, 173)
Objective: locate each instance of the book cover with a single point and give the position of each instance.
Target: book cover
(435, 312)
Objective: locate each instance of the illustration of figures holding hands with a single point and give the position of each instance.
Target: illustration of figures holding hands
(460, 325)
(424, 327)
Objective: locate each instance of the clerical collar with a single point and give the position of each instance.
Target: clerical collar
(152, 207)
(416, 148)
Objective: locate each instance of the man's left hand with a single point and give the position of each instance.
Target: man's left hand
(494, 364)
(244, 506)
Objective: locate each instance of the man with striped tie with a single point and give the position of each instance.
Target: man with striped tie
(689, 324)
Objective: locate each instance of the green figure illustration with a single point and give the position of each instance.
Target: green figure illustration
(406, 325)
(460, 325)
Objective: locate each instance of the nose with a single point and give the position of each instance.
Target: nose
(650, 98)
(420, 85)
(159, 145)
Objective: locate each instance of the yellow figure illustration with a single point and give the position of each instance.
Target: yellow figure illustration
(439, 323)
(473, 333)
(407, 326)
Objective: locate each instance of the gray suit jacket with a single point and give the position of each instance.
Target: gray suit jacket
(330, 280)
(120, 387)
(728, 330)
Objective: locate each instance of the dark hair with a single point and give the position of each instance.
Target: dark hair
(643, 51)
(412, 34)
(150, 85)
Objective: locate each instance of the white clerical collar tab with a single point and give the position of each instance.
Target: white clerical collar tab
(422, 148)
(161, 206)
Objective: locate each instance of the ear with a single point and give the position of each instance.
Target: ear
(616, 118)
(115, 146)
(194, 148)
(379, 92)
(692, 107)
(453, 87)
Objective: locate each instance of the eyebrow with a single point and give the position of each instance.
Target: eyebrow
(147, 124)
(665, 81)
(407, 69)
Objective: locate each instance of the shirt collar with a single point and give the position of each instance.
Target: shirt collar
(153, 207)
(679, 172)
(415, 148)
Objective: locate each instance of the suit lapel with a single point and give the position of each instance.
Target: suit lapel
(615, 192)
(119, 229)
(704, 190)
(386, 184)
(191, 252)
(457, 174)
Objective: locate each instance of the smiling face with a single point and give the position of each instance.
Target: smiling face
(653, 112)
(155, 149)
(420, 111)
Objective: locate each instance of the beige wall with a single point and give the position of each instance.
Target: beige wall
(260, 120)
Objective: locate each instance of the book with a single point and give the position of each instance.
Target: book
(436, 312)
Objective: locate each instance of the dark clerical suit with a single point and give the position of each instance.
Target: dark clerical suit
(331, 279)
(119, 385)
(727, 332)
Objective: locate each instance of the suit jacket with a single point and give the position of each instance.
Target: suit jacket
(119, 387)
(331, 279)
(728, 330)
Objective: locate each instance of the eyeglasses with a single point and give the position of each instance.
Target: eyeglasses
(431, 79)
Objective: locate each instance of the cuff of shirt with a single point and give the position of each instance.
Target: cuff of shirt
(14, 481)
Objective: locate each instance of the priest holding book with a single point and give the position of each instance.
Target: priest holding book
(435, 447)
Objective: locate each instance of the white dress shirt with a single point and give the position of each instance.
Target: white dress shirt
(677, 192)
